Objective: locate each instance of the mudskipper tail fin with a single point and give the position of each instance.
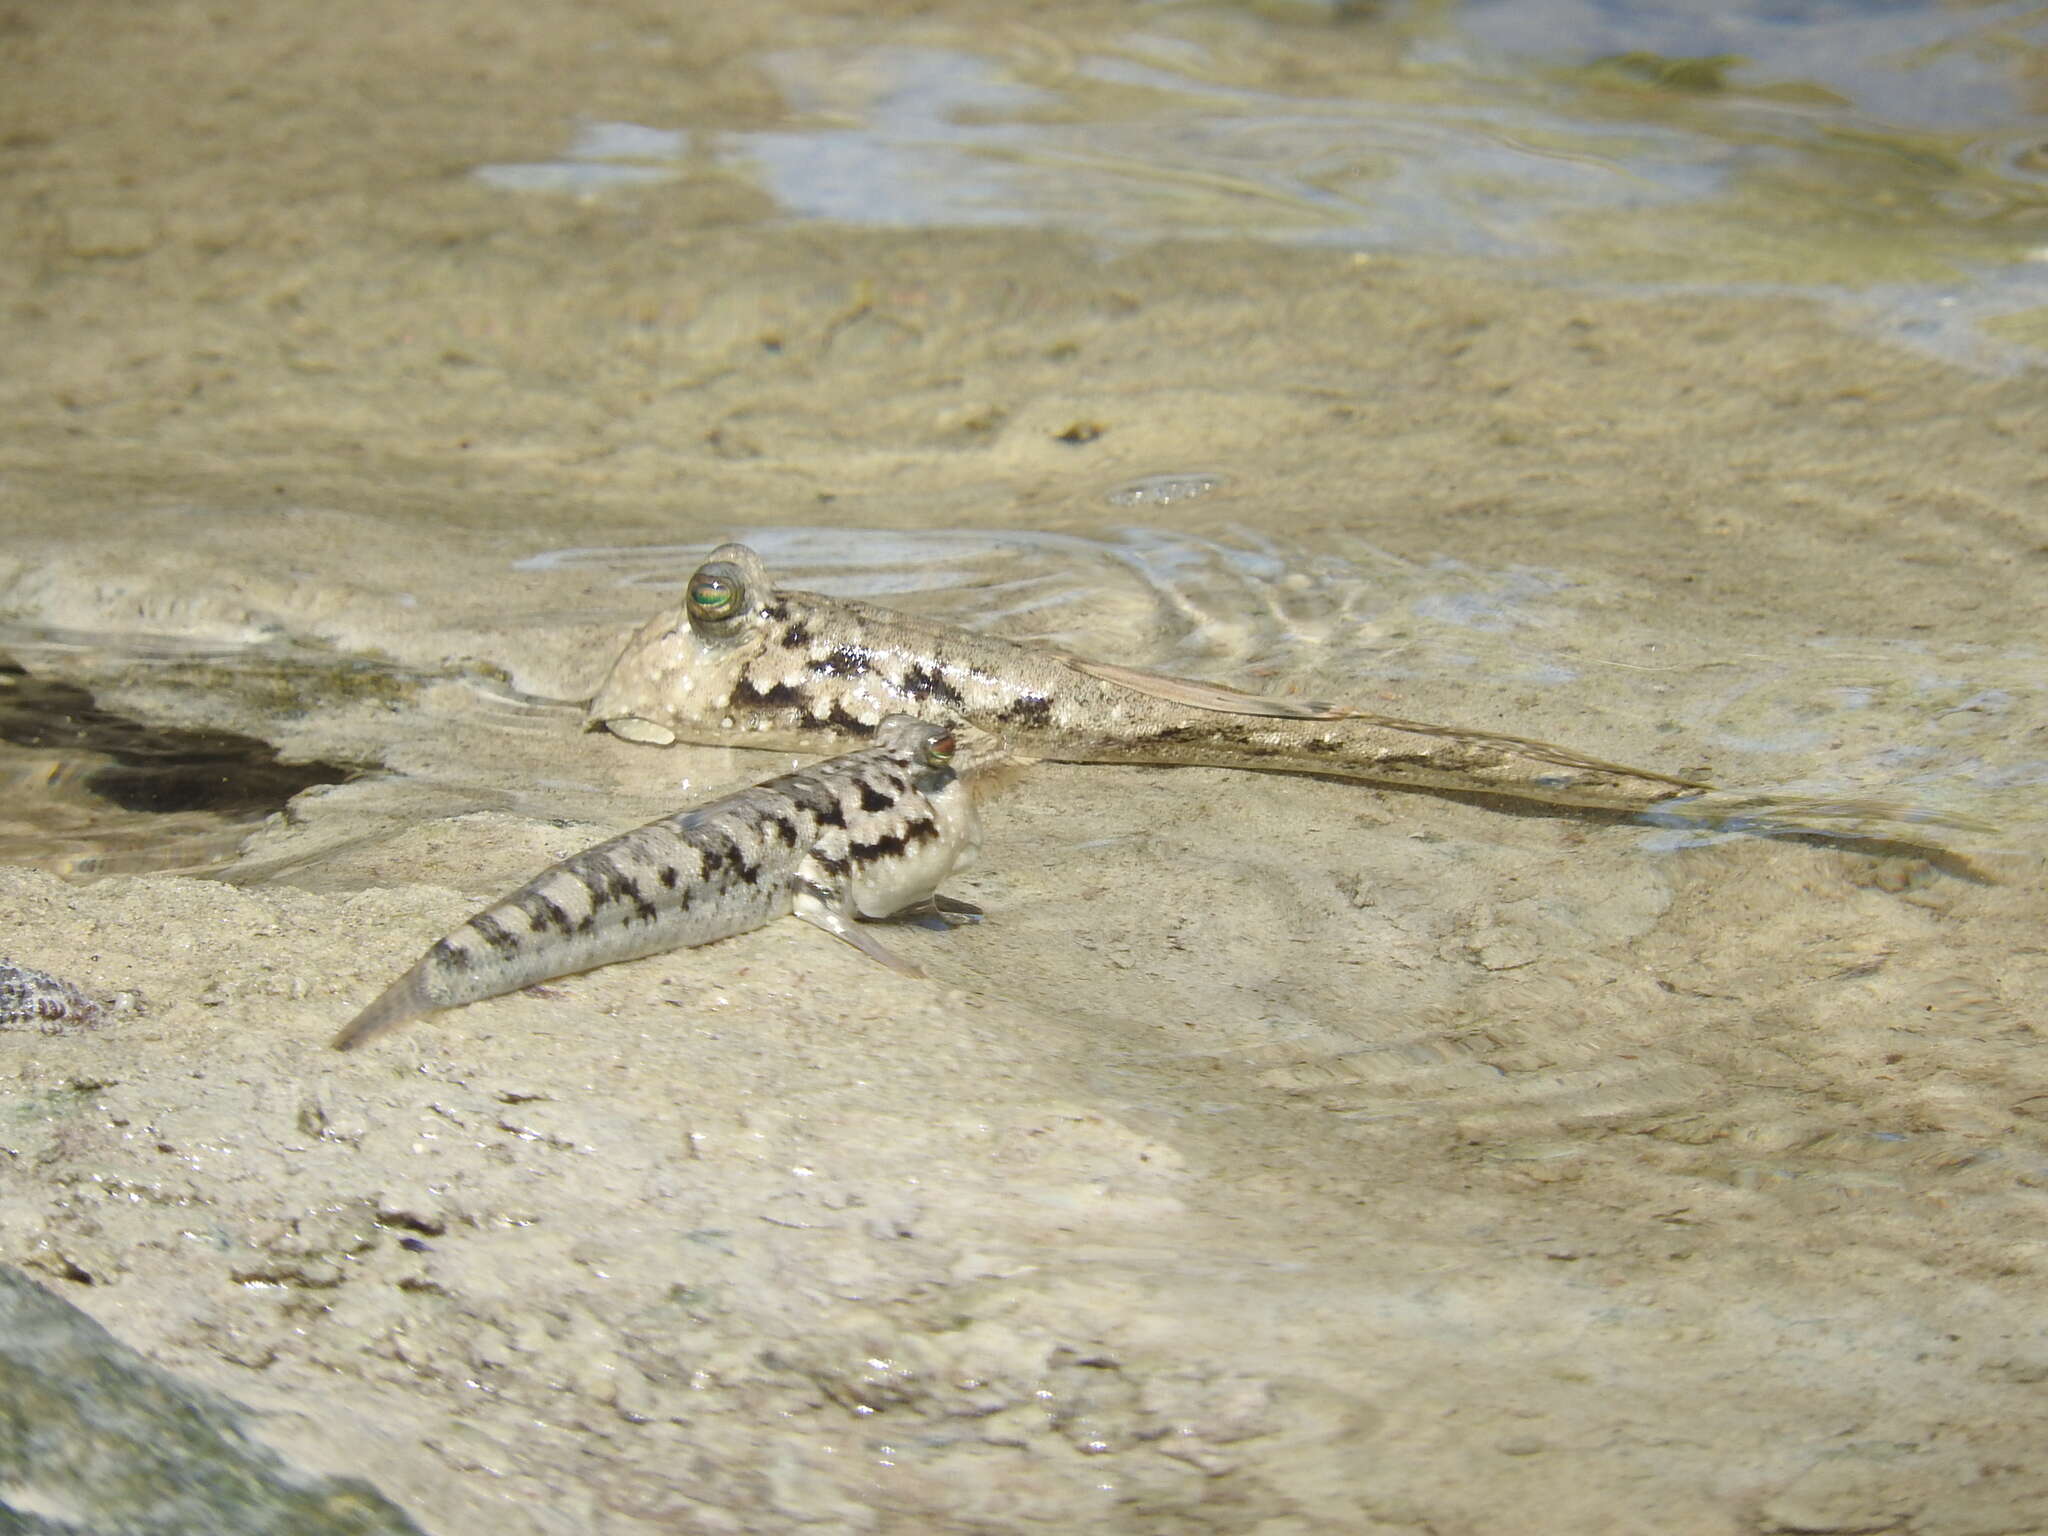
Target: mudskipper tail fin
(404, 1000)
(1768, 813)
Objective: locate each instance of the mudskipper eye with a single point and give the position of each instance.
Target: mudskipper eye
(714, 595)
(939, 750)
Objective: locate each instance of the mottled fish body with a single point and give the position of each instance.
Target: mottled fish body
(749, 664)
(745, 663)
(866, 834)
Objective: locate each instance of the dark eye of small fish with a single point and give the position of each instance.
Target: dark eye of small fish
(713, 596)
(939, 750)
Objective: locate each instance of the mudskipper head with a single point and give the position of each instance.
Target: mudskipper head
(928, 748)
(677, 674)
(941, 753)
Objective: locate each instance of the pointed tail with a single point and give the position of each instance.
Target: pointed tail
(1767, 813)
(406, 999)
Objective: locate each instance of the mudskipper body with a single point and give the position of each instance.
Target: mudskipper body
(864, 835)
(746, 663)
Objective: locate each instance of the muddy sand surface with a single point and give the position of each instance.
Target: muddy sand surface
(1282, 1155)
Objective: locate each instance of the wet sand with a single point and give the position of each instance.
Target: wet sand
(1281, 1156)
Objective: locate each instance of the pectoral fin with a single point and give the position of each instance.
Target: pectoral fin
(633, 728)
(939, 913)
(824, 907)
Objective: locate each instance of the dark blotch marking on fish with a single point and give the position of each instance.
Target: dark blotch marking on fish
(923, 682)
(847, 661)
(452, 955)
(629, 888)
(796, 637)
(613, 884)
(872, 799)
(747, 694)
(1033, 711)
(887, 846)
(784, 829)
(669, 876)
(819, 801)
(542, 914)
(495, 933)
(777, 610)
(891, 844)
(725, 854)
(838, 719)
(830, 865)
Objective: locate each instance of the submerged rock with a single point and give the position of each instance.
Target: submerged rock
(96, 1441)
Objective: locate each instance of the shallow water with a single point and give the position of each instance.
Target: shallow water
(1280, 1156)
(1887, 157)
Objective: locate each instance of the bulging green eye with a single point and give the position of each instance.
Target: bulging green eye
(939, 750)
(714, 594)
